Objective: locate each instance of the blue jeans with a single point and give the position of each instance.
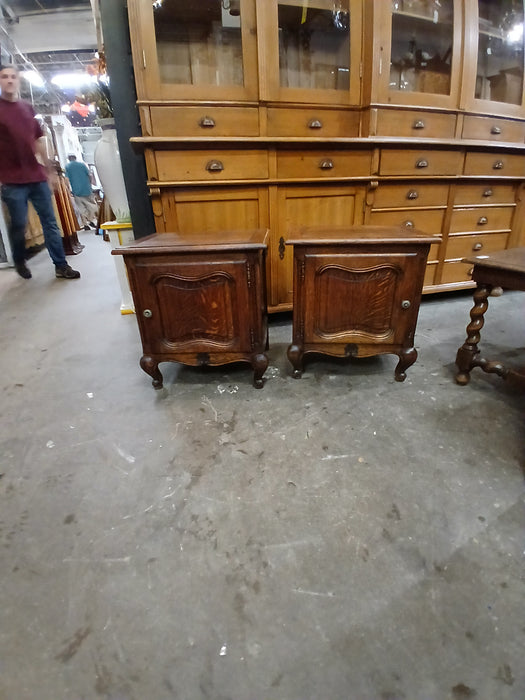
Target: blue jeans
(16, 198)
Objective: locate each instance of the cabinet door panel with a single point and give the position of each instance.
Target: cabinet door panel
(369, 290)
(306, 206)
(214, 210)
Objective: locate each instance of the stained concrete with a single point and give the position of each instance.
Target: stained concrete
(338, 537)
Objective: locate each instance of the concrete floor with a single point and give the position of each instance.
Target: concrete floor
(338, 537)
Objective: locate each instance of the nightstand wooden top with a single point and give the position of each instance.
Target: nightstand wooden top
(344, 235)
(202, 241)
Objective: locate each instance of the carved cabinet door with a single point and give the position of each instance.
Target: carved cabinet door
(362, 298)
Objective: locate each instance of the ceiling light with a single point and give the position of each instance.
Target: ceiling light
(72, 80)
(33, 78)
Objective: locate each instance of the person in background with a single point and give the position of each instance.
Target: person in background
(80, 181)
(24, 177)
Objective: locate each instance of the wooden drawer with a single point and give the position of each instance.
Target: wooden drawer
(421, 163)
(481, 219)
(211, 165)
(456, 273)
(484, 193)
(312, 122)
(406, 123)
(410, 195)
(427, 220)
(204, 121)
(500, 164)
(493, 129)
(320, 164)
(478, 244)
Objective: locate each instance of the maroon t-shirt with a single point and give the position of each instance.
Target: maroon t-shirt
(18, 132)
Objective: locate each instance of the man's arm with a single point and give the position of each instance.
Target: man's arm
(42, 157)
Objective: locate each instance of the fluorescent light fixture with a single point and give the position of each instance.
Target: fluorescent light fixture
(72, 80)
(515, 34)
(33, 78)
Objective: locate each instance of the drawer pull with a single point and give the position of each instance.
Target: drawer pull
(419, 124)
(470, 271)
(488, 193)
(405, 304)
(315, 124)
(412, 194)
(477, 246)
(326, 164)
(214, 166)
(422, 163)
(147, 313)
(282, 248)
(482, 221)
(498, 165)
(496, 130)
(207, 123)
(408, 224)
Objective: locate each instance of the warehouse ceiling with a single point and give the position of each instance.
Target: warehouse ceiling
(49, 36)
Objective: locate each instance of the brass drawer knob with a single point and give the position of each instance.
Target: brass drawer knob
(405, 304)
(147, 313)
(207, 123)
(214, 166)
(412, 194)
(315, 124)
(477, 246)
(408, 224)
(498, 165)
(326, 164)
(488, 193)
(496, 130)
(422, 163)
(482, 221)
(418, 124)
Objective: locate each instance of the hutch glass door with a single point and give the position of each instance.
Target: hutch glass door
(499, 75)
(312, 50)
(423, 52)
(201, 49)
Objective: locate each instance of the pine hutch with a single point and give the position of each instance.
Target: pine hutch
(277, 114)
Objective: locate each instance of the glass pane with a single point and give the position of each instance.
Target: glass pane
(422, 36)
(500, 51)
(314, 44)
(199, 43)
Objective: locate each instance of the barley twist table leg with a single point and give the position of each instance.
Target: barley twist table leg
(466, 355)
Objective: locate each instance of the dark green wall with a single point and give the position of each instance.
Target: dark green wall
(114, 17)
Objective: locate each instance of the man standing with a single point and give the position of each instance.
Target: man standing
(24, 178)
(80, 181)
